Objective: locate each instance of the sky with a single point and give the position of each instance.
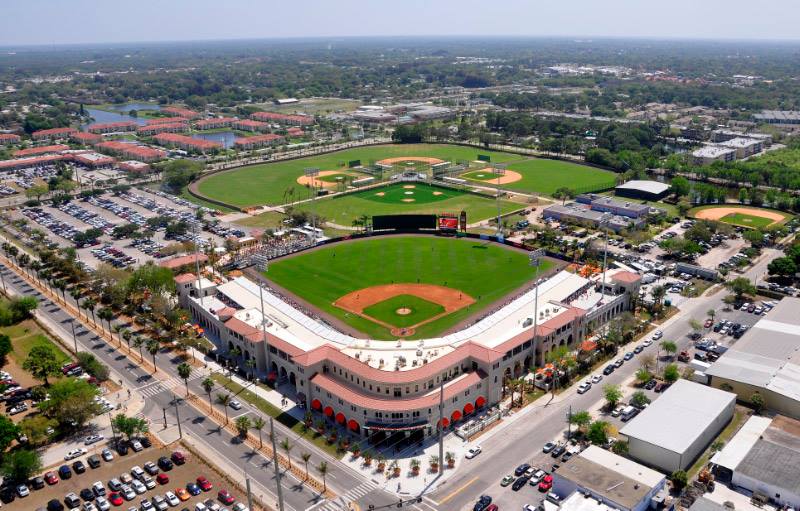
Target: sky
(54, 22)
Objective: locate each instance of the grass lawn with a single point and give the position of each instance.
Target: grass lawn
(396, 199)
(268, 183)
(740, 415)
(276, 413)
(27, 335)
(485, 271)
(745, 220)
(416, 308)
(547, 176)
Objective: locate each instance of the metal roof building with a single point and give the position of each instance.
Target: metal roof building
(766, 360)
(642, 189)
(763, 458)
(672, 432)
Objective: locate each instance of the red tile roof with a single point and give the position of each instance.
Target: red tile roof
(52, 131)
(354, 396)
(251, 124)
(160, 128)
(185, 278)
(436, 366)
(207, 123)
(9, 137)
(178, 262)
(132, 150)
(106, 126)
(33, 151)
(184, 141)
(257, 140)
(276, 117)
(35, 161)
(181, 112)
(85, 138)
(626, 277)
(165, 120)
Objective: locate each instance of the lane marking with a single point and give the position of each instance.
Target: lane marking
(455, 492)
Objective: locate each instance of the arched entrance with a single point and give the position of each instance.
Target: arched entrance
(283, 373)
(528, 363)
(353, 426)
(517, 369)
(292, 379)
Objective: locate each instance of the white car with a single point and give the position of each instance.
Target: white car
(159, 502)
(473, 451)
(99, 489)
(138, 487)
(658, 334)
(23, 490)
(584, 387)
(93, 439)
(172, 499)
(137, 472)
(597, 378)
(88, 506)
(128, 493)
(236, 405)
(102, 504)
(136, 446)
(647, 343)
(149, 483)
(107, 455)
(75, 453)
(146, 505)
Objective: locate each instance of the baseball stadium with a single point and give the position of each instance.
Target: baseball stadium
(372, 332)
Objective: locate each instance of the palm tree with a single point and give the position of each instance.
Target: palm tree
(117, 329)
(258, 424)
(127, 334)
(250, 363)
(89, 304)
(306, 456)
(138, 342)
(658, 293)
(223, 400)
(208, 386)
(152, 348)
(107, 314)
(322, 468)
(185, 371)
(242, 425)
(711, 313)
(287, 446)
(61, 285)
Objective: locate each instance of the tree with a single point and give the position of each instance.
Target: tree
(741, 286)
(22, 307)
(5, 348)
(782, 266)
(598, 432)
(153, 347)
(89, 304)
(639, 399)
(612, 394)
(258, 425)
(679, 478)
(671, 373)
(129, 426)
(643, 375)
(287, 446)
(208, 386)
(139, 342)
(8, 432)
(669, 347)
(19, 465)
(36, 191)
(71, 403)
(92, 366)
(306, 457)
(42, 362)
(223, 400)
(581, 419)
(242, 425)
(757, 400)
(683, 206)
(680, 186)
(185, 371)
(37, 428)
(563, 193)
(322, 468)
(711, 313)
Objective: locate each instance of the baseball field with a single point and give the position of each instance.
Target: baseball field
(277, 183)
(406, 198)
(741, 216)
(404, 286)
(547, 176)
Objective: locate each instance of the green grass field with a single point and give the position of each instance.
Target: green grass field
(485, 271)
(478, 175)
(27, 335)
(547, 176)
(745, 220)
(269, 182)
(396, 199)
(420, 310)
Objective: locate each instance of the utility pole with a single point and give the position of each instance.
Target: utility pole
(264, 321)
(249, 494)
(535, 258)
(441, 426)
(569, 422)
(164, 410)
(197, 263)
(276, 464)
(178, 417)
(3, 278)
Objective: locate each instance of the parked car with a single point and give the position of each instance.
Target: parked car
(519, 483)
(178, 458)
(64, 472)
(483, 502)
(507, 480)
(584, 387)
(225, 497)
(107, 454)
(93, 439)
(473, 451)
(546, 483)
(151, 468)
(558, 451)
(549, 446)
(79, 467)
(93, 461)
(164, 463)
(204, 483)
(50, 478)
(75, 453)
(162, 478)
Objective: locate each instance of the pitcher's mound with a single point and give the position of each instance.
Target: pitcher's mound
(403, 311)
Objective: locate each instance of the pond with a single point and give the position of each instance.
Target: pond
(121, 113)
(226, 138)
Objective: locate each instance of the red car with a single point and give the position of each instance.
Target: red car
(162, 478)
(546, 483)
(225, 497)
(116, 499)
(709, 323)
(204, 483)
(51, 478)
(178, 458)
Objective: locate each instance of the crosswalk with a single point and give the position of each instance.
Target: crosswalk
(157, 387)
(343, 501)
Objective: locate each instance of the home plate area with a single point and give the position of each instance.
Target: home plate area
(402, 308)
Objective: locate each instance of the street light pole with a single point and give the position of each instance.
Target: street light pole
(178, 417)
(276, 464)
(535, 258)
(74, 339)
(441, 426)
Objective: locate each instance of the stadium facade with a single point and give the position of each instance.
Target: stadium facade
(382, 388)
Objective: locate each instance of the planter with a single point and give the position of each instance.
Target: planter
(396, 471)
(434, 467)
(381, 467)
(451, 463)
(415, 470)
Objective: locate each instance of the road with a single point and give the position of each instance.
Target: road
(159, 397)
(522, 440)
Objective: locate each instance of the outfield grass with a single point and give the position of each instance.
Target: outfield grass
(483, 270)
(268, 183)
(745, 220)
(427, 199)
(419, 310)
(546, 176)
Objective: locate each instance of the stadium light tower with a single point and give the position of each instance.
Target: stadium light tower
(313, 173)
(535, 257)
(605, 220)
(499, 169)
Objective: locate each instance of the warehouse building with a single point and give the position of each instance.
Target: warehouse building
(580, 214)
(766, 360)
(678, 426)
(597, 479)
(642, 189)
(763, 460)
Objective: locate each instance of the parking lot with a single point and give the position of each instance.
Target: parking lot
(135, 206)
(179, 476)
